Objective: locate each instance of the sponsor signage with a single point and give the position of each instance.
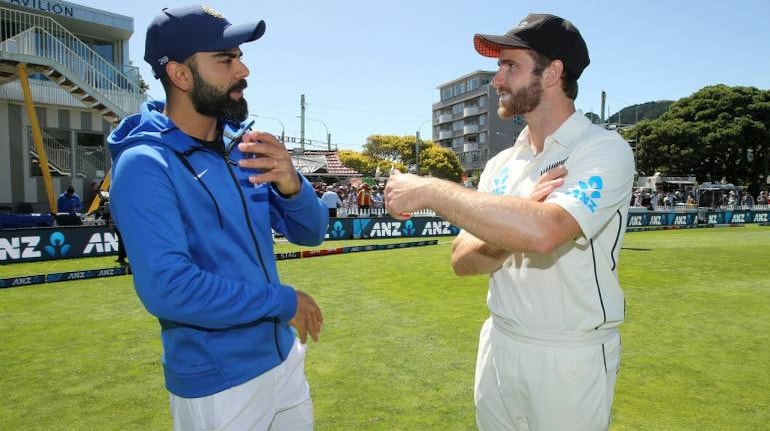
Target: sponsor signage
(28, 245)
(45, 6)
(679, 219)
(387, 227)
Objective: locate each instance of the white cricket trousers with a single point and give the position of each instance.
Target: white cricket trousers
(276, 400)
(527, 380)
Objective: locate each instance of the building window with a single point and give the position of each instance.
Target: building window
(91, 158)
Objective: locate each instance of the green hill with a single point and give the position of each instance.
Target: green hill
(631, 114)
(645, 111)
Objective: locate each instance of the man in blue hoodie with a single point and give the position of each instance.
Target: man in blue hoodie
(195, 198)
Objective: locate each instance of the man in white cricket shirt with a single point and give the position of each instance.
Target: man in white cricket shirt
(546, 224)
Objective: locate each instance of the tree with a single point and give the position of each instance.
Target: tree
(393, 148)
(439, 162)
(386, 151)
(717, 132)
(362, 163)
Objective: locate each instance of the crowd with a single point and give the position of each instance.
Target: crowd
(350, 199)
(654, 200)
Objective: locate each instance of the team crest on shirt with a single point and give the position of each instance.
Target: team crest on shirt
(588, 192)
(500, 183)
(211, 11)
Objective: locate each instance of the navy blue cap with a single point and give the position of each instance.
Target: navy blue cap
(178, 33)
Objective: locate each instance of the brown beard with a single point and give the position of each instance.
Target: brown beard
(523, 101)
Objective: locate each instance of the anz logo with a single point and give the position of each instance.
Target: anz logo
(101, 244)
(25, 247)
(588, 192)
(337, 231)
(57, 245)
(439, 228)
(386, 229)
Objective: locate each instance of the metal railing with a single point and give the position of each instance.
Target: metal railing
(40, 36)
(88, 163)
(59, 155)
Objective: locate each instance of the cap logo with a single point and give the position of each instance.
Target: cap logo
(211, 11)
(163, 60)
(522, 24)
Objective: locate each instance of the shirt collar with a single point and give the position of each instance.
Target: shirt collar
(571, 129)
(565, 135)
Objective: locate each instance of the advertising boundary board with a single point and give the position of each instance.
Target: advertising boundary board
(29, 280)
(40, 244)
(30, 245)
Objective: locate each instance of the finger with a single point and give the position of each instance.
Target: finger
(314, 329)
(302, 334)
(262, 148)
(264, 163)
(259, 136)
(554, 173)
(399, 215)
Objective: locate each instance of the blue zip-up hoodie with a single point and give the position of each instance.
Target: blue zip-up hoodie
(197, 233)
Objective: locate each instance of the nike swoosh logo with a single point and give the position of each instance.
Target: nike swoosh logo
(200, 175)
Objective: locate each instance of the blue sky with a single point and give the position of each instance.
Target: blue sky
(373, 67)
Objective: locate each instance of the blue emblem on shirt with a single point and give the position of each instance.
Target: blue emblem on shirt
(588, 192)
(501, 182)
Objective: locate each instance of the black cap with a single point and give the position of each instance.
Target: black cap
(551, 36)
(176, 34)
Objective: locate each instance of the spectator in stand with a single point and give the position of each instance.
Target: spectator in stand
(762, 198)
(351, 199)
(332, 200)
(69, 202)
(691, 200)
(377, 199)
(364, 198)
(657, 200)
(747, 200)
(670, 200)
(732, 198)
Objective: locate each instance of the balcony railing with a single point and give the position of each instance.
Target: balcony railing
(30, 35)
(90, 161)
(58, 155)
(474, 158)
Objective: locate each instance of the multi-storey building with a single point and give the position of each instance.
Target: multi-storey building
(65, 82)
(465, 120)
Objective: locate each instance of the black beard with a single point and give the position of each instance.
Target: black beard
(209, 101)
(523, 101)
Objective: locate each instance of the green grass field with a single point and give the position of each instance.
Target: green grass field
(399, 341)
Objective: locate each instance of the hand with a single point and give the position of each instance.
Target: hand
(308, 318)
(548, 182)
(403, 194)
(274, 161)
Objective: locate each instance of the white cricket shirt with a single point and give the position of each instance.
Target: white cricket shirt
(575, 288)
